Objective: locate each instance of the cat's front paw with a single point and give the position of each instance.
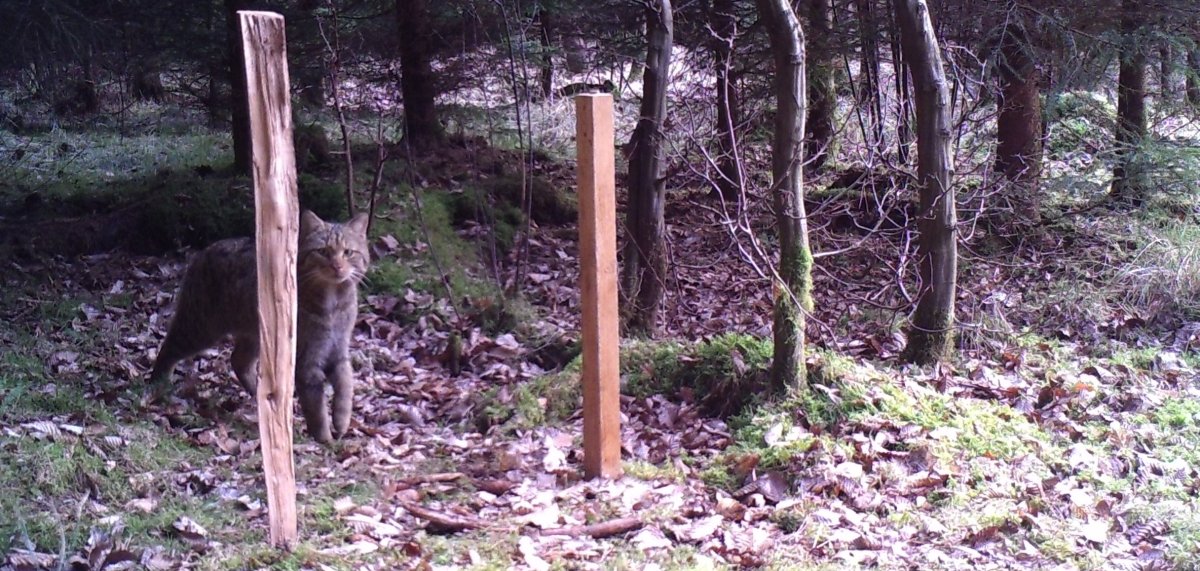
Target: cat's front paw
(321, 433)
(157, 389)
(323, 439)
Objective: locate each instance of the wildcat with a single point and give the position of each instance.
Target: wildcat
(219, 298)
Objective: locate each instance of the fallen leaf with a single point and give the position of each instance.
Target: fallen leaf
(1095, 531)
(698, 530)
(650, 538)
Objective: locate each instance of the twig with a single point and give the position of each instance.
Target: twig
(335, 62)
(62, 530)
(381, 158)
(443, 521)
(598, 530)
(434, 478)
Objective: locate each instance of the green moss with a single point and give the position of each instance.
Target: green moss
(494, 549)
(547, 204)
(260, 555)
(647, 471)
(719, 476)
(1075, 119)
(497, 203)
(1178, 414)
(791, 519)
(843, 395)
(546, 399)
(725, 373)
(429, 246)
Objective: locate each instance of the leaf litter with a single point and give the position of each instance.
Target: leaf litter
(877, 490)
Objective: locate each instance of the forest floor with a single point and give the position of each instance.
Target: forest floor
(1066, 435)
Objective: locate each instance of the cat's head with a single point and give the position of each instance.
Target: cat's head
(333, 253)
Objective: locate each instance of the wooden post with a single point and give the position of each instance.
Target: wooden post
(277, 231)
(598, 295)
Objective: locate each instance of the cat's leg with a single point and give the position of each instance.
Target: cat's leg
(311, 386)
(341, 376)
(245, 363)
(181, 343)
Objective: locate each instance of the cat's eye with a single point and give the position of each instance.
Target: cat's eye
(348, 253)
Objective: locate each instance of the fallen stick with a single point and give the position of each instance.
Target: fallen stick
(441, 521)
(434, 478)
(598, 530)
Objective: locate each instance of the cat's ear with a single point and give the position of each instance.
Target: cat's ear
(310, 223)
(359, 223)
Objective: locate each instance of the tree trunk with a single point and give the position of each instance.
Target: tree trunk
(546, 74)
(793, 293)
(240, 106)
(931, 335)
(577, 52)
(1019, 122)
(724, 26)
(418, 86)
(869, 71)
(308, 54)
(822, 92)
(1129, 174)
(904, 130)
(1193, 77)
(310, 81)
(1166, 72)
(645, 269)
(212, 99)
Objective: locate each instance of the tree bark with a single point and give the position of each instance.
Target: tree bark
(546, 74)
(869, 71)
(645, 271)
(243, 160)
(931, 335)
(1129, 175)
(793, 290)
(904, 130)
(724, 25)
(1019, 122)
(576, 51)
(310, 81)
(1193, 77)
(822, 91)
(1166, 72)
(418, 86)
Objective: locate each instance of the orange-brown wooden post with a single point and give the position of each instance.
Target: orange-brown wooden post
(278, 228)
(598, 295)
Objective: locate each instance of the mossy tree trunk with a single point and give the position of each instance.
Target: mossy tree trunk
(1129, 175)
(822, 91)
(793, 289)
(243, 160)
(931, 335)
(645, 270)
(1019, 122)
(418, 86)
(724, 27)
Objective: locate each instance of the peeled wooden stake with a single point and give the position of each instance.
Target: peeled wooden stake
(276, 233)
(598, 288)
